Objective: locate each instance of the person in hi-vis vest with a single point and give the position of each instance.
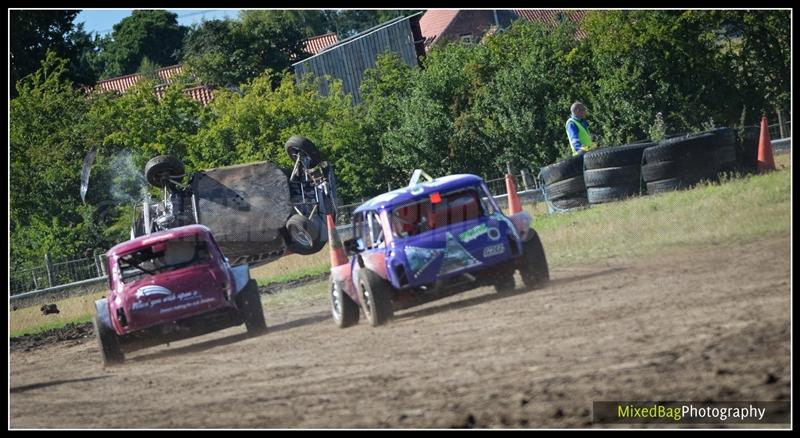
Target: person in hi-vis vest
(578, 130)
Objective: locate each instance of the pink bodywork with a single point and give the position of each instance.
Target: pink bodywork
(168, 296)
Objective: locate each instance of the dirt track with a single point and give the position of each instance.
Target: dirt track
(708, 323)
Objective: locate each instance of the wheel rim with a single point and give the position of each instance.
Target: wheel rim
(336, 302)
(301, 236)
(367, 300)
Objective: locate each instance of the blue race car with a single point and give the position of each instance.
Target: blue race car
(412, 244)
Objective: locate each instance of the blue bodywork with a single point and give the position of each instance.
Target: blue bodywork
(485, 241)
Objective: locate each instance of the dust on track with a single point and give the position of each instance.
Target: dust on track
(703, 323)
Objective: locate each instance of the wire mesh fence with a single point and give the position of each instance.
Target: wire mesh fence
(55, 272)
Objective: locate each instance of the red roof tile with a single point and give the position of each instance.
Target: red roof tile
(434, 22)
(123, 83)
(317, 43)
(552, 17)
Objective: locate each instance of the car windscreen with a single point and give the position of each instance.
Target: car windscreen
(163, 257)
(424, 215)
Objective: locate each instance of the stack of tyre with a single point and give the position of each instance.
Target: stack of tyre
(614, 173)
(747, 148)
(563, 184)
(683, 161)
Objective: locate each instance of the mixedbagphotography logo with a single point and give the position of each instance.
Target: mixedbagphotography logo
(691, 412)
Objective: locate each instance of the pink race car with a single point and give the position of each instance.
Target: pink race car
(172, 285)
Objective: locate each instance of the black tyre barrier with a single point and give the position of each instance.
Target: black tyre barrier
(568, 188)
(570, 203)
(612, 176)
(676, 149)
(569, 168)
(598, 195)
(660, 170)
(664, 185)
(616, 156)
(747, 149)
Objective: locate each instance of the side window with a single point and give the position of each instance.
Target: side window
(374, 230)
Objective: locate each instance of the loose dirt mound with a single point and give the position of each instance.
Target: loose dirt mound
(707, 323)
(70, 332)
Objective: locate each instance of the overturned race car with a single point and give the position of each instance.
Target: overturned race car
(258, 211)
(172, 285)
(417, 243)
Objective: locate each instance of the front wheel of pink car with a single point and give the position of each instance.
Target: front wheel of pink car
(376, 297)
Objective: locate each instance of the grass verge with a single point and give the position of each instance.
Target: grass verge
(736, 211)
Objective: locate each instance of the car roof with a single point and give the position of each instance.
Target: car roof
(160, 236)
(407, 194)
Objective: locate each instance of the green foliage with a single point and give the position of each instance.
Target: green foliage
(35, 32)
(226, 53)
(468, 109)
(154, 34)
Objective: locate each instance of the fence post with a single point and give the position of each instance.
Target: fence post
(49, 267)
(98, 265)
(526, 177)
(33, 275)
(780, 122)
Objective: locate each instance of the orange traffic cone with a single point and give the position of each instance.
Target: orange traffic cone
(338, 256)
(514, 204)
(765, 161)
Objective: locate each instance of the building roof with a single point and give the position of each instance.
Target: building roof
(552, 17)
(435, 21)
(199, 93)
(123, 83)
(317, 43)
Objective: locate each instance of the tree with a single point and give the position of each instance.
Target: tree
(46, 151)
(152, 34)
(35, 32)
(254, 125)
(226, 53)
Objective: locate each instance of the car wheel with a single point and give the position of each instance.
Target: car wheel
(249, 303)
(344, 309)
(108, 342)
(160, 169)
(533, 263)
(297, 145)
(504, 281)
(376, 297)
(305, 235)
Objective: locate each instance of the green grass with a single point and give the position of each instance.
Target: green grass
(49, 326)
(306, 294)
(302, 272)
(737, 211)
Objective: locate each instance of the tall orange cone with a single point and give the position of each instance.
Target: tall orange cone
(514, 204)
(765, 161)
(338, 256)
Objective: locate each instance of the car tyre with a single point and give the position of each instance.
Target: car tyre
(305, 235)
(160, 169)
(533, 263)
(344, 310)
(297, 145)
(376, 297)
(249, 303)
(108, 341)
